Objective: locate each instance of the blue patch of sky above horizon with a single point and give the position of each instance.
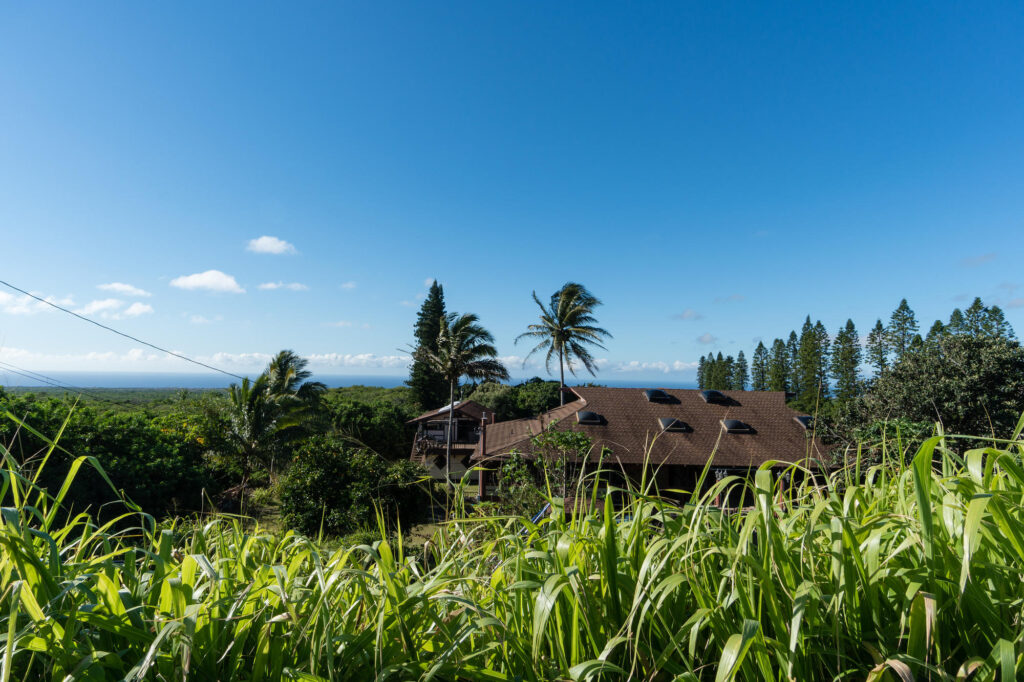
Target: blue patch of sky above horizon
(809, 160)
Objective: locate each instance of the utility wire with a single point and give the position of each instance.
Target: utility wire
(119, 333)
(29, 374)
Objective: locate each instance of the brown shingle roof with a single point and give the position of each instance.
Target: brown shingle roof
(503, 437)
(631, 427)
(467, 408)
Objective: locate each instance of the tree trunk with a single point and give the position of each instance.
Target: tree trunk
(448, 447)
(561, 370)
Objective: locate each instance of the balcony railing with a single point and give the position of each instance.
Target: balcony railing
(439, 439)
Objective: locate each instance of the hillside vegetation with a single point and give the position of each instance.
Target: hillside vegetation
(908, 569)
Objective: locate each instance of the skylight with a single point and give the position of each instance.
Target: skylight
(712, 396)
(736, 426)
(590, 418)
(656, 395)
(673, 425)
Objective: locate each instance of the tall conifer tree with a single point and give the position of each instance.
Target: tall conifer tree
(824, 346)
(759, 368)
(719, 373)
(429, 388)
(808, 364)
(935, 333)
(956, 322)
(740, 373)
(846, 355)
(878, 347)
(995, 324)
(778, 367)
(974, 317)
(902, 328)
(793, 348)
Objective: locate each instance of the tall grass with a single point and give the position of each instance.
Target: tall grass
(899, 571)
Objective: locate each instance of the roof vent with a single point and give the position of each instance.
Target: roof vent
(713, 396)
(736, 426)
(656, 395)
(673, 425)
(805, 421)
(589, 418)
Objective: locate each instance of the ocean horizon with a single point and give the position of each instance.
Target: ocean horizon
(74, 380)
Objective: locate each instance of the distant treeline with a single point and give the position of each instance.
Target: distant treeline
(813, 364)
(966, 372)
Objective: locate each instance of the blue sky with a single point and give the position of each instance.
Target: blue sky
(714, 173)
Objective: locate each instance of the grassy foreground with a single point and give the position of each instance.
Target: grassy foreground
(897, 572)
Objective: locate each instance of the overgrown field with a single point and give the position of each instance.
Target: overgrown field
(898, 571)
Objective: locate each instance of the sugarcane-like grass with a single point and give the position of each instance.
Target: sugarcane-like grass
(895, 571)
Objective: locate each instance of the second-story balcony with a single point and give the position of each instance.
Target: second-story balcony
(435, 434)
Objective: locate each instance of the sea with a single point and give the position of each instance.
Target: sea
(213, 380)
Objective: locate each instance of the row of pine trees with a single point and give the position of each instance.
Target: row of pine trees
(814, 365)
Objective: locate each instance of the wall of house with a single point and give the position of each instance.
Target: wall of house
(457, 470)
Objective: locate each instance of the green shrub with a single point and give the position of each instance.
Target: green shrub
(157, 467)
(379, 425)
(527, 399)
(338, 488)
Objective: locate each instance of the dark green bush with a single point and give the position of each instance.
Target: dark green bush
(158, 468)
(379, 426)
(527, 399)
(338, 488)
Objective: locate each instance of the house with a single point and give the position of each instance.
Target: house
(430, 443)
(673, 431)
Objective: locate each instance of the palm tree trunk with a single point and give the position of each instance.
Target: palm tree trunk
(561, 370)
(448, 447)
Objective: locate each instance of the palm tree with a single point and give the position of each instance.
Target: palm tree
(264, 414)
(287, 374)
(255, 420)
(566, 329)
(464, 349)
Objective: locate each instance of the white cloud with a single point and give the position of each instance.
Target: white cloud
(202, 319)
(316, 360)
(706, 338)
(238, 359)
(731, 298)
(348, 285)
(26, 305)
(407, 304)
(267, 244)
(688, 314)
(331, 360)
(1015, 303)
(655, 366)
(75, 361)
(516, 362)
(136, 309)
(124, 289)
(111, 309)
(211, 280)
(291, 286)
(428, 282)
(146, 360)
(105, 305)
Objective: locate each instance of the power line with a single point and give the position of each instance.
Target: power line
(120, 333)
(29, 374)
